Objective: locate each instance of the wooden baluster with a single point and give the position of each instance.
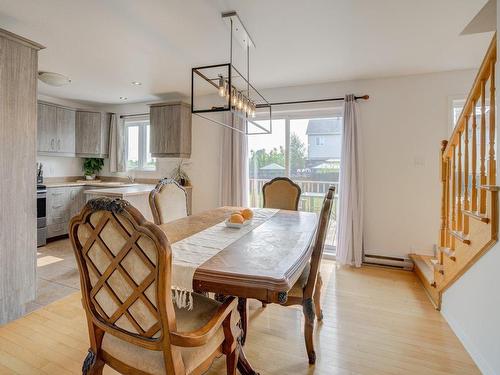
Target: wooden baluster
(491, 160)
(444, 197)
(448, 201)
(482, 146)
(474, 159)
(466, 174)
(453, 193)
(459, 183)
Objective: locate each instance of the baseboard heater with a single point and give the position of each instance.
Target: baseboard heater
(385, 261)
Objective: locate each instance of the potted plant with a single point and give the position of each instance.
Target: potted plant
(180, 175)
(91, 166)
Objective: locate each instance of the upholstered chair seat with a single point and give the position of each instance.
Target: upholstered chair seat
(168, 201)
(281, 193)
(152, 362)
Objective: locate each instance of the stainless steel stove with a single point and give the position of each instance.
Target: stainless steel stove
(41, 214)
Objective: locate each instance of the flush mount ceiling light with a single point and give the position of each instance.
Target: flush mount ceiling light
(222, 88)
(123, 98)
(53, 79)
(136, 83)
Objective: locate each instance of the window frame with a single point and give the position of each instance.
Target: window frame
(142, 122)
(311, 114)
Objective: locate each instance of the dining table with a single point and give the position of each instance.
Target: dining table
(262, 264)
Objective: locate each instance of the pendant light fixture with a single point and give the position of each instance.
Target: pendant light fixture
(222, 88)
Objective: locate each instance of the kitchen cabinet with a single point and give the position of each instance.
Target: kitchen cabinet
(65, 121)
(170, 130)
(92, 134)
(62, 204)
(57, 211)
(55, 130)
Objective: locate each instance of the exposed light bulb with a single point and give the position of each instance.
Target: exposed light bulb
(245, 106)
(234, 97)
(227, 90)
(252, 111)
(222, 89)
(240, 101)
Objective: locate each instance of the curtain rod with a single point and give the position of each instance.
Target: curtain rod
(136, 115)
(364, 97)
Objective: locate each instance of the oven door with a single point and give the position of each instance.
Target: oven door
(41, 209)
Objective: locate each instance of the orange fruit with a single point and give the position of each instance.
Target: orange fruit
(247, 214)
(236, 219)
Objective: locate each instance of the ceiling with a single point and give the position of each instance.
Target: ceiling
(104, 45)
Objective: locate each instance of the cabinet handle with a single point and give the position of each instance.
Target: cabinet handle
(58, 144)
(52, 144)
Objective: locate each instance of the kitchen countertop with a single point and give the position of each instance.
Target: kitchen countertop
(122, 191)
(110, 184)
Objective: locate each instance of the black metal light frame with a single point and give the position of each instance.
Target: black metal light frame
(228, 106)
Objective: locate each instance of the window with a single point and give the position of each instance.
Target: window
(320, 141)
(137, 134)
(295, 150)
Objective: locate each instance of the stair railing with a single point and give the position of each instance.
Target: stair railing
(468, 169)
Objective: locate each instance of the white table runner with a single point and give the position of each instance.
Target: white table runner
(191, 252)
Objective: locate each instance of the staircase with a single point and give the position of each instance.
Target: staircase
(469, 198)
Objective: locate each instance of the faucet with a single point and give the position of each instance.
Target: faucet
(131, 179)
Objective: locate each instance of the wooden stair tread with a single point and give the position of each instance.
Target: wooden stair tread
(424, 264)
(460, 236)
(448, 252)
(476, 215)
(437, 267)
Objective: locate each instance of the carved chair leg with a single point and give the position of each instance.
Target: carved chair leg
(309, 315)
(232, 361)
(92, 365)
(264, 305)
(317, 298)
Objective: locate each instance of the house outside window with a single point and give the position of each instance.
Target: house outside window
(137, 134)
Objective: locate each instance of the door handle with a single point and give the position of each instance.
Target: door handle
(52, 144)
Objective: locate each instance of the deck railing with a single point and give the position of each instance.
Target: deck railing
(311, 199)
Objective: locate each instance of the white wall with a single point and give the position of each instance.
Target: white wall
(402, 125)
(472, 305)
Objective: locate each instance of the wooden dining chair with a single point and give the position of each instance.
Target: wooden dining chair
(282, 193)
(125, 265)
(168, 201)
(307, 289)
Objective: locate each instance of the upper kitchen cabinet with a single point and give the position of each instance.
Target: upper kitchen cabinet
(56, 130)
(170, 130)
(92, 134)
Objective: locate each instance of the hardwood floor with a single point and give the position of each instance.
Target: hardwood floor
(377, 321)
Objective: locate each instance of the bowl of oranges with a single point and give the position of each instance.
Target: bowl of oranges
(239, 219)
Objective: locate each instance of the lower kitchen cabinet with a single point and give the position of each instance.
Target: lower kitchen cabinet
(62, 204)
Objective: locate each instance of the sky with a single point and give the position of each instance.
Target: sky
(277, 137)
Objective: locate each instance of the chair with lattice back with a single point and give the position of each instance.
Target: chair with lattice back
(125, 265)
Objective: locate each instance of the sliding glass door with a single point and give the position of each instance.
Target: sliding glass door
(307, 150)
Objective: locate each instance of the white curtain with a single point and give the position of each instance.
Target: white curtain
(116, 145)
(350, 214)
(234, 164)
